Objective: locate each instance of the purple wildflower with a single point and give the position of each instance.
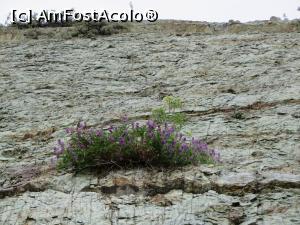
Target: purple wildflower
(171, 129)
(166, 125)
(111, 129)
(151, 135)
(122, 141)
(99, 133)
(180, 136)
(61, 143)
(69, 130)
(164, 139)
(216, 155)
(184, 147)
(151, 124)
(111, 139)
(81, 125)
(58, 150)
(173, 143)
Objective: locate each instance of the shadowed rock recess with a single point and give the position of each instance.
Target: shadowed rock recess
(241, 92)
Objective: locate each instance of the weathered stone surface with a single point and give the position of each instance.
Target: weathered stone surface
(240, 92)
(236, 183)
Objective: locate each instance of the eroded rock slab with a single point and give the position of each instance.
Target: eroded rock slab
(240, 92)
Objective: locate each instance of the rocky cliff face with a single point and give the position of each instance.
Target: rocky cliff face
(241, 93)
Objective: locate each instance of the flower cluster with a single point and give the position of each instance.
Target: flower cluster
(131, 144)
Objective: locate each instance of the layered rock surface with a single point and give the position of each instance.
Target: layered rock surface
(241, 94)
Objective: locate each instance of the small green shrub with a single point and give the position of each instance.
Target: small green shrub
(171, 104)
(70, 29)
(92, 29)
(159, 115)
(238, 115)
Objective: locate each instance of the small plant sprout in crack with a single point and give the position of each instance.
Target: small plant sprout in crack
(171, 104)
(238, 115)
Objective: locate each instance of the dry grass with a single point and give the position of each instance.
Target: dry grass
(82, 30)
(180, 28)
(189, 27)
(10, 35)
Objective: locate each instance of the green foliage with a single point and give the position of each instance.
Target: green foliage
(238, 115)
(67, 30)
(159, 115)
(125, 146)
(92, 29)
(178, 119)
(156, 143)
(171, 103)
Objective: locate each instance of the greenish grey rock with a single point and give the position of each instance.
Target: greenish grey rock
(48, 85)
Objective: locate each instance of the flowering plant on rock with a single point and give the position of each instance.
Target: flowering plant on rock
(131, 144)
